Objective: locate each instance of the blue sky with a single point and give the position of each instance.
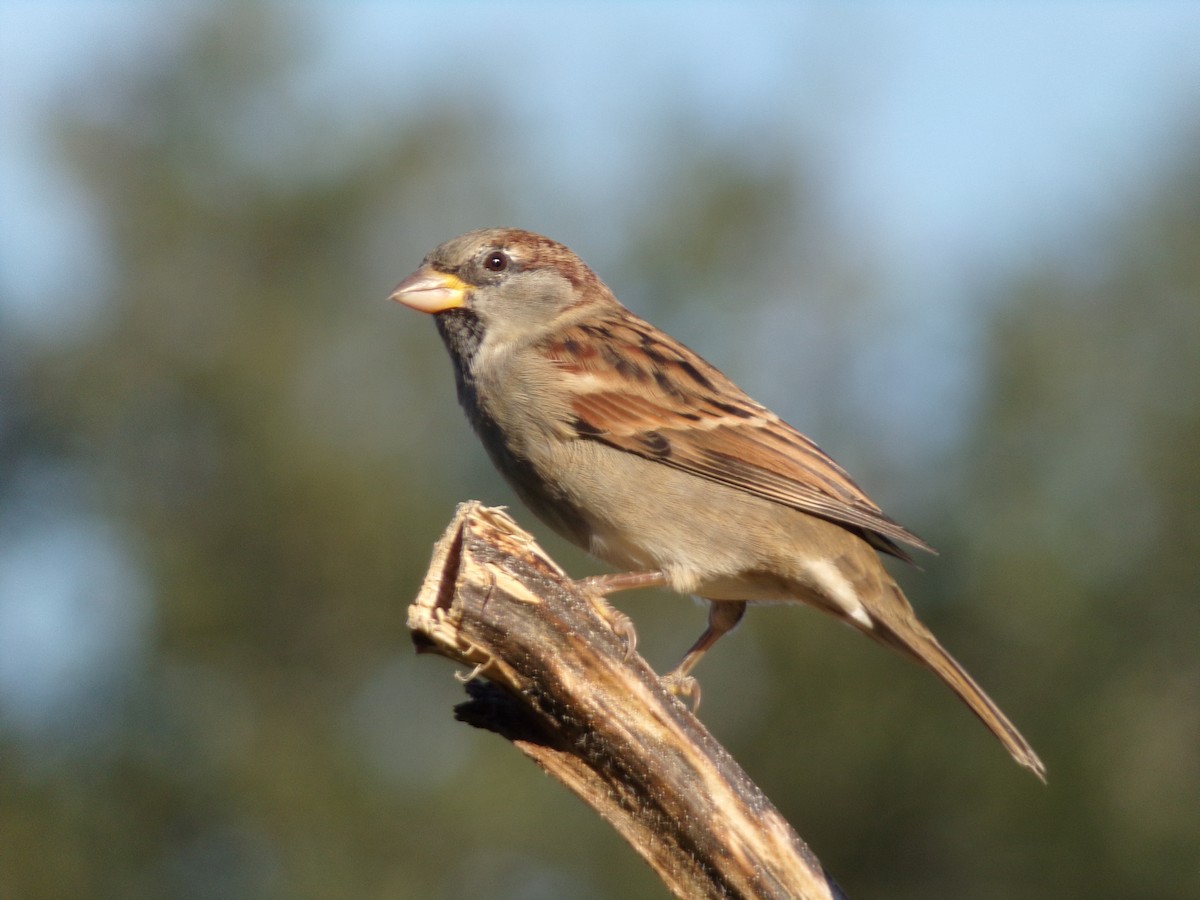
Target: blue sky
(947, 131)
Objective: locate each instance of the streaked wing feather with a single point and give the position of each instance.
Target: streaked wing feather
(639, 391)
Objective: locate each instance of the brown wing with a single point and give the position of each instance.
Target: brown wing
(639, 391)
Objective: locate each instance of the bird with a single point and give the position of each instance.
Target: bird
(636, 449)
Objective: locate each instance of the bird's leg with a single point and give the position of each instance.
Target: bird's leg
(603, 585)
(597, 587)
(723, 616)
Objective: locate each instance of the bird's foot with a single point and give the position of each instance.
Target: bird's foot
(618, 623)
(685, 687)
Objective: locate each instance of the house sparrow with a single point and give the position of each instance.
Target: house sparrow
(631, 446)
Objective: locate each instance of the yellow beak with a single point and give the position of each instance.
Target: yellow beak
(430, 291)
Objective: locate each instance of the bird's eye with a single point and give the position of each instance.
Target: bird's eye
(496, 261)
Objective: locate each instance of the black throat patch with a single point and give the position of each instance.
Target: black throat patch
(462, 333)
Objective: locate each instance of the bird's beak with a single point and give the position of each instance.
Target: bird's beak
(431, 291)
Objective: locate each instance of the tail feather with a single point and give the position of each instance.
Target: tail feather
(919, 644)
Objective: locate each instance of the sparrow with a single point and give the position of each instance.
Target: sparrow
(636, 449)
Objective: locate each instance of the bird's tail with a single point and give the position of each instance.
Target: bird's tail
(916, 641)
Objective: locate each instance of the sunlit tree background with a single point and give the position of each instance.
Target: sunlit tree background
(224, 457)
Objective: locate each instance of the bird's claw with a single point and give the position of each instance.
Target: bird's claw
(618, 623)
(685, 687)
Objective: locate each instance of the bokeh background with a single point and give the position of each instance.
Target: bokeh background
(957, 244)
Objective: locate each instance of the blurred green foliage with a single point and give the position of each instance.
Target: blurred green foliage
(277, 449)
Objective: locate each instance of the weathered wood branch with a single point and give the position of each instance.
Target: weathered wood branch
(560, 688)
